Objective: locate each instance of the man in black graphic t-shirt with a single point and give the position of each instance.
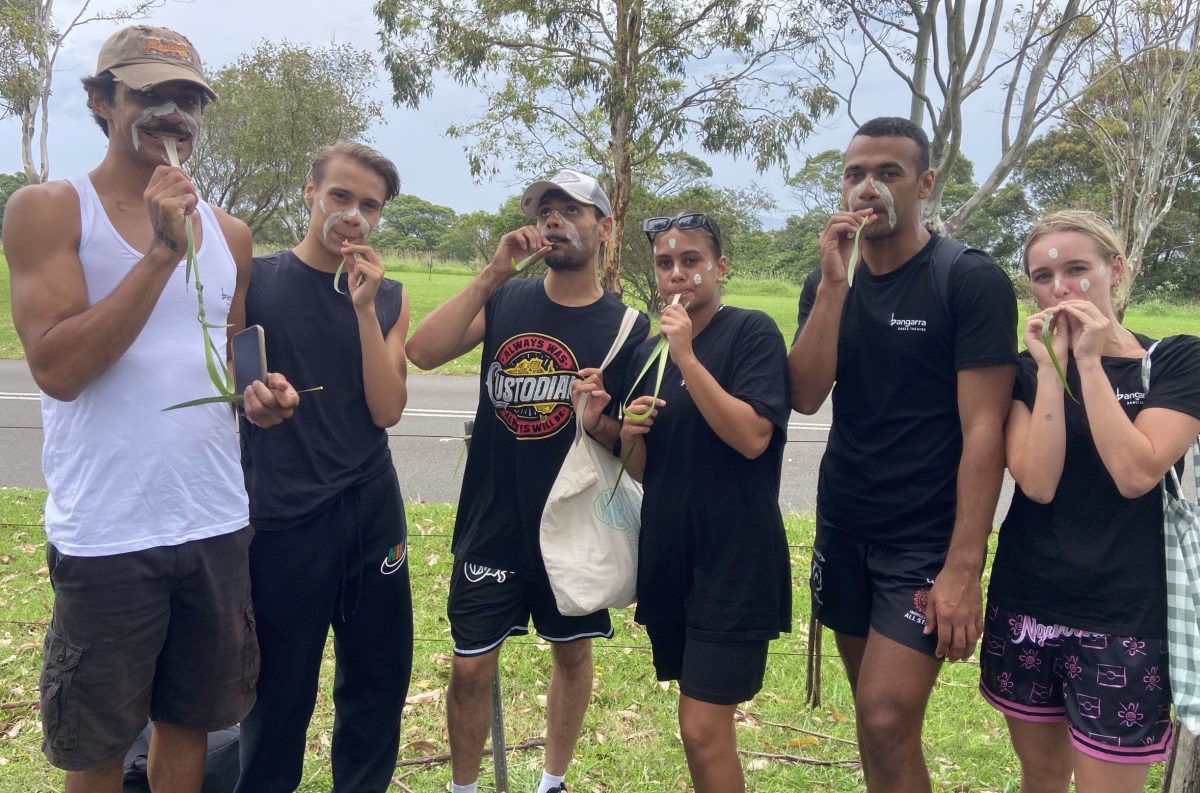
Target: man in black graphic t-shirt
(536, 335)
(908, 485)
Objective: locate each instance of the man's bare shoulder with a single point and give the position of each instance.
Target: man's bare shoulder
(47, 212)
(236, 231)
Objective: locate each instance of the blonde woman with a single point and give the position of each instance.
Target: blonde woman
(1074, 650)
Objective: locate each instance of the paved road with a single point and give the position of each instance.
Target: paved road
(437, 407)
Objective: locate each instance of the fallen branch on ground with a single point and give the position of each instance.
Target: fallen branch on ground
(444, 757)
(791, 758)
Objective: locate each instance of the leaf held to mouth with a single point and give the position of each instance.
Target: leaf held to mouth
(1047, 335)
(852, 265)
(531, 260)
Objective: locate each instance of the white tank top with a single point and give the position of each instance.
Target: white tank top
(123, 475)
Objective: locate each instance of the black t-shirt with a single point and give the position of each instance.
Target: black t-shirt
(713, 552)
(890, 468)
(330, 443)
(525, 422)
(1092, 559)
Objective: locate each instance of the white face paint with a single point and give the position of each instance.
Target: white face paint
(165, 109)
(889, 202)
(569, 230)
(675, 270)
(1057, 284)
(708, 266)
(697, 280)
(885, 196)
(1085, 284)
(1052, 253)
(671, 243)
(352, 213)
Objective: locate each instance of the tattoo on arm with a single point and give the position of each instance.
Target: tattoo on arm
(162, 238)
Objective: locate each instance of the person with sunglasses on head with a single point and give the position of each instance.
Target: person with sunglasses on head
(537, 334)
(1075, 650)
(714, 581)
(922, 348)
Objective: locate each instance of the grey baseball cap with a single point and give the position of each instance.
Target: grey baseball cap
(583, 188)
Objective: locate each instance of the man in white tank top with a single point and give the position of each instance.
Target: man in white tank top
(146, 520)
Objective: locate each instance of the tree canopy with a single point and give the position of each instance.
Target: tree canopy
(279, 103)
(612, 87)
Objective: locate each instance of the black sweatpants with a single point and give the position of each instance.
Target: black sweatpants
(346, 568)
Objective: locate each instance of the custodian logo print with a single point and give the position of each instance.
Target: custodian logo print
(529, 384)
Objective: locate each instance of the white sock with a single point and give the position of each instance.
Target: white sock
(549, 782)
(471, 788)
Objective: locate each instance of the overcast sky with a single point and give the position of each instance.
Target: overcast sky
(431, 164)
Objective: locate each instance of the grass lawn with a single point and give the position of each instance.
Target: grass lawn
(629, 740)
(430, 287)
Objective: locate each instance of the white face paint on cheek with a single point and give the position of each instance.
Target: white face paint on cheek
(352, 213)
(1085, 284)
(165, 109)
(697, 280)
(708, 266)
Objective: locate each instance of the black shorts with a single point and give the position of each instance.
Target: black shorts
(718, 672)
(1112, 691)
(857, 586)
(487, 605)
(166, 633)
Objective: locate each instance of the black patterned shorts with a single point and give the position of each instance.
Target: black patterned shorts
(1111, 690)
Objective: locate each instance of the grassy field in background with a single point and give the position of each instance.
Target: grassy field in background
(430, 287)
(630, 738)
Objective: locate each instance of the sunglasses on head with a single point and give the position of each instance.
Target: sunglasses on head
(695, 220)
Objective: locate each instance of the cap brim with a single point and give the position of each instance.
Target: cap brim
(143, 76)
(533, 196)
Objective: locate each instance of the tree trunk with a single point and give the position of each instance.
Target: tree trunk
(620, 206)
(1183, 769)
(28, 130)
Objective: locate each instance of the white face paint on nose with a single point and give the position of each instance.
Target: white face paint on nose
(352, 214)
(1057, 284)
(569, 229)
(889, 201)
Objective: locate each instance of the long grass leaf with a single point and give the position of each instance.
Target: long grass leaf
(1047, 335)
(853, 264)
(528, 261)
(230, 398)
(214, 363)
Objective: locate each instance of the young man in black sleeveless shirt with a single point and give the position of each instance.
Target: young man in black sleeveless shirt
(910, 477)
(329, 549)
(536, 335)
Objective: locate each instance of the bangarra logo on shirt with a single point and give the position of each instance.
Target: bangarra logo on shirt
(529, 384)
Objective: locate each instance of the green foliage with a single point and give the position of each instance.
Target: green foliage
(735, 211)
(614, 88)
(412, 223)
(9, 184)
(19, 39)
(279, 103)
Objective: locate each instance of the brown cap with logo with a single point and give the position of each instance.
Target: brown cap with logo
(142, 57)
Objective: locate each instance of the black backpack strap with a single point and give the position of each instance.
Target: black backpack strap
(946, 254)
